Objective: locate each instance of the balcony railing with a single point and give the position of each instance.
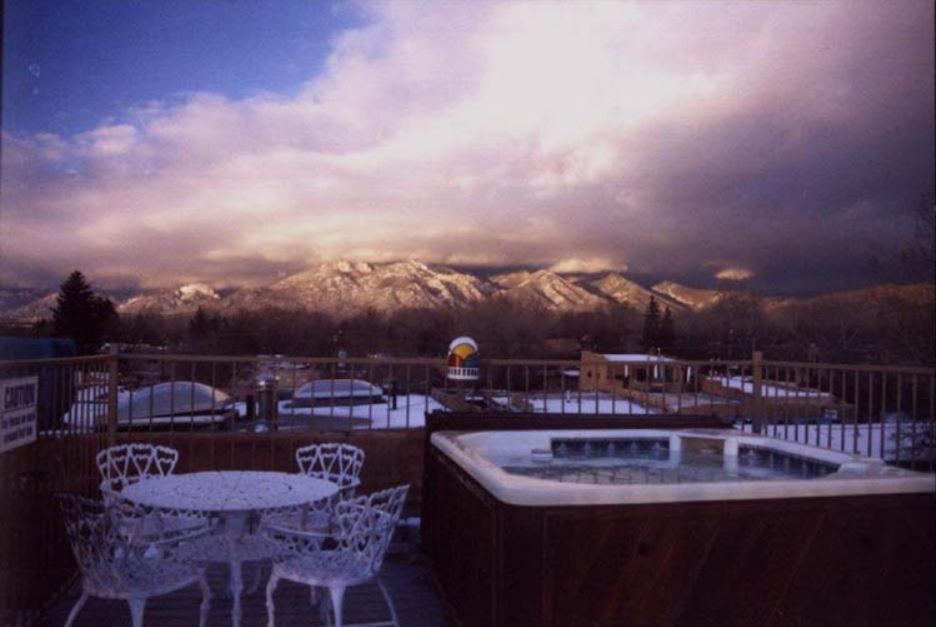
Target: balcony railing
(251, 412)
(883, 411)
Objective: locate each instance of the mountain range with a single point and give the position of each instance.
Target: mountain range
(343, 288)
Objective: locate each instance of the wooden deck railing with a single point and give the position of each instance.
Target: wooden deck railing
(883, 411)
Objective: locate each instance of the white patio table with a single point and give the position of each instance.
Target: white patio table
(237, 497)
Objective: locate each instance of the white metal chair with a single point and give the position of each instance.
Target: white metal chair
(363, 528)
(116, 564)
(124, 464)
(332, 461)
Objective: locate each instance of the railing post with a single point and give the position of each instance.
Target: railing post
(757, 376)
(113, 368)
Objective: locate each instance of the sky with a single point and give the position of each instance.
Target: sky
(158, 143)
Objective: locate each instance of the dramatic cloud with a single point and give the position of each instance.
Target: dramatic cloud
(587, 265)
(788, 139)
(734, 274)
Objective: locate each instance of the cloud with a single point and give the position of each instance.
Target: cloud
(572, 265)
(787, 137)
(734, 274)
(107, 141)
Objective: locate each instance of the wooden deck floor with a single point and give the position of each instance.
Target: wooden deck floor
(405, 574)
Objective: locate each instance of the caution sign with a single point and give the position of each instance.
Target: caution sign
(18, 411)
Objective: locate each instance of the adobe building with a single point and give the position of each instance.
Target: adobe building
(619, 373)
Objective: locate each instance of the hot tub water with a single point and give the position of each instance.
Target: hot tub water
(662, 460)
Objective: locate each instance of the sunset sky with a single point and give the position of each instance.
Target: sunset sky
(156, 143)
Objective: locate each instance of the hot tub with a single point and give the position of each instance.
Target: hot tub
(653, 526)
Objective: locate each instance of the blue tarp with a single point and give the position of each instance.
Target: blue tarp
(35, 348)
(56, 382)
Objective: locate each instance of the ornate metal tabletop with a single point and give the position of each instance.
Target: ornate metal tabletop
(229, 491)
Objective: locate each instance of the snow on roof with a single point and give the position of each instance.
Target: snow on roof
(183, 399)
(337, 388)
(412, 408)
(635, 357)
(163, 399)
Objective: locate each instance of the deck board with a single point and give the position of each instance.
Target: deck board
(405, 574)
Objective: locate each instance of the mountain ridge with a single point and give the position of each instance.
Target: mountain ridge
(344, 288)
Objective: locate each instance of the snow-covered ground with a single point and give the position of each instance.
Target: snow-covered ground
(770, 389)
(379, 416)
(410, 412)
(586, 403)
(90, 410)
(862, 439)
(916, 440)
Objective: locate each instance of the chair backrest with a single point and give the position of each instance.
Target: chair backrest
(100, 550)
(332, 461)
(128, 463)
(111, 545)
(88, 528)
(365, 525)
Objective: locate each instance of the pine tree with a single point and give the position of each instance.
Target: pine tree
(667, 331)
(82, 315)
(651, 330)
(199, 326)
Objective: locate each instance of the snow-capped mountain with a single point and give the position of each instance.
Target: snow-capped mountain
(343, 288)
(627, 292)
(36, 309)
(545, 289)
(13, 297)
(182, 300)
(693, 298)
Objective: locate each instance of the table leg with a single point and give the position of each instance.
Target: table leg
(235, 527)
(237, 585)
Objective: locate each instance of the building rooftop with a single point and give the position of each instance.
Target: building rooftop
(634, 357)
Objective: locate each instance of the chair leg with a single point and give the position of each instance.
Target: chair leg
(393, 614)
(137, 607)
(270, 589)
(205, 602)
(74, 612)
(337, 597)
(258, 576)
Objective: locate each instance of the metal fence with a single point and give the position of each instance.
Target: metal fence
(882, 411)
